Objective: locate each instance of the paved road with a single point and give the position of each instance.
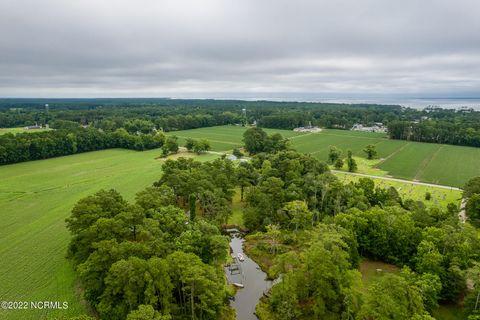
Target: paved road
(218, 153)
(399, 180)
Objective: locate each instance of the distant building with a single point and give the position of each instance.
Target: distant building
(235, 158)
(36, 126)
(377, 127)
(308, 128)
(232, 157)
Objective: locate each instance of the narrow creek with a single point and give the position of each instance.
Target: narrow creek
(250, 276)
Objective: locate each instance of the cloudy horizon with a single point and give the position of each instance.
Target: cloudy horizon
(236, 49)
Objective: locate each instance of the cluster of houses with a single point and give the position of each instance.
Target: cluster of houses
(377, 127)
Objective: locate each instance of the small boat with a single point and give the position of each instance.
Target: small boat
(239, 285)
(240, 257)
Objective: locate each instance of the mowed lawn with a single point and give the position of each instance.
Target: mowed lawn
(21, 130)
(434, 163)
(440, 197)
(35, 199)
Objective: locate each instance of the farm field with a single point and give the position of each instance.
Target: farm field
(35, 199)
(433, 163)
(20, 130)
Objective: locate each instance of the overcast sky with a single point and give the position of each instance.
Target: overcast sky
(235, 48)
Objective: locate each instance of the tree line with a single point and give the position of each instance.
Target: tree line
(460, 127)
(47, 144)
(448, 131)
(20, 112)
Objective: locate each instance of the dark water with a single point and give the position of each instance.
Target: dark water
(253, 279)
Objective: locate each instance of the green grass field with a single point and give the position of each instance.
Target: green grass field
(433, 163)
(372, 270)
(448, 312)
(20, 130)
(222, 138)
(35, 199)
(440, 197)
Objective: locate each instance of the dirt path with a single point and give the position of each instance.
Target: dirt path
(425, 163)
(462, 215)
(220, 153)
(391, 155)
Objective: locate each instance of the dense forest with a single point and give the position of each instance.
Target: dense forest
(161, 257)
(461, 127)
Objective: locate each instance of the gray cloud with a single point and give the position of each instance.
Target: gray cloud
(231, 47)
